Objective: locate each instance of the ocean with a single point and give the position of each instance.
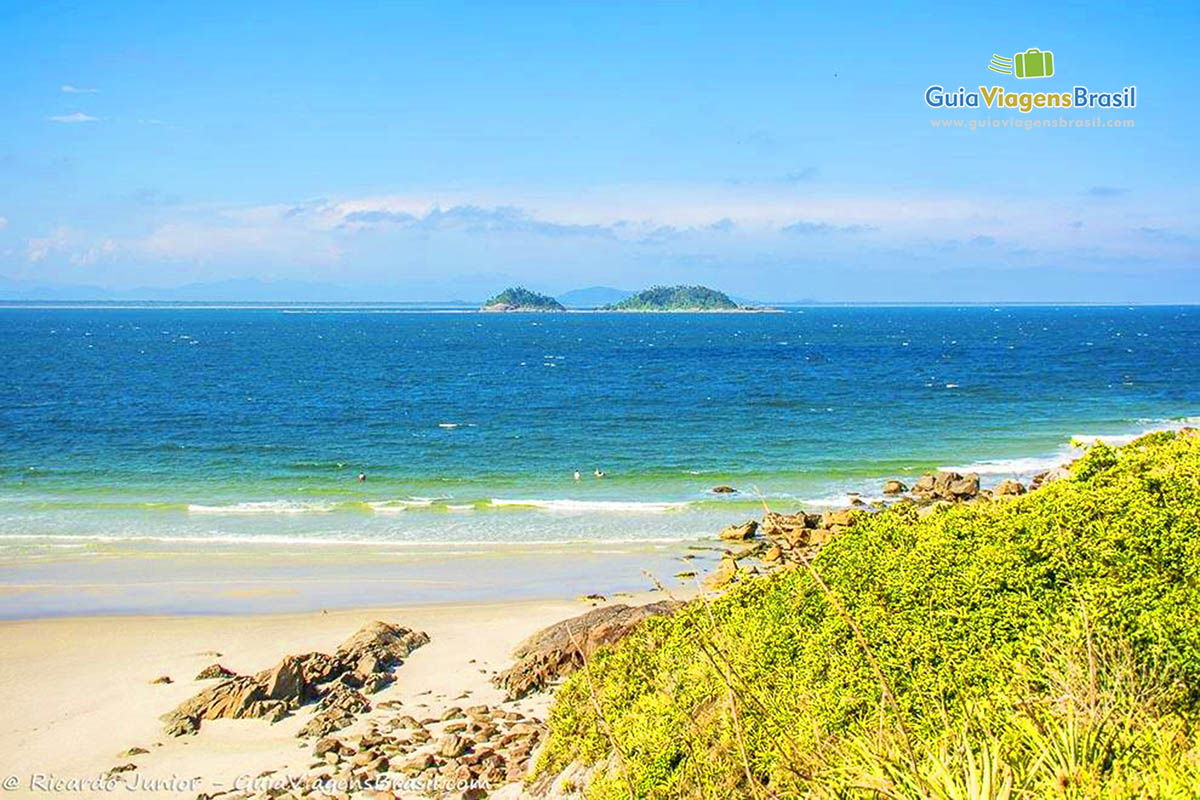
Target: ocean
(158, 441)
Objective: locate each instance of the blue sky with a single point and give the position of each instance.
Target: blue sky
(446, 150)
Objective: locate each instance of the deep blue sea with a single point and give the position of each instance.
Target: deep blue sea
(163, 427)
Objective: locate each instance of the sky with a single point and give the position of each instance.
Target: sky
(442, 150)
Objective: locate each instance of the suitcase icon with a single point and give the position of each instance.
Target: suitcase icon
(1034, 63)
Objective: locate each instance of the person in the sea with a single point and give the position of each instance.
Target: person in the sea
(577, 475)
(362, 477)
(599, 473)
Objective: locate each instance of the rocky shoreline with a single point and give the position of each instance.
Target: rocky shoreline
(361, 747)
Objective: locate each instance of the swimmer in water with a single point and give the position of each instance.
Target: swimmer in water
(362, 477)
(599, 473)
(577, 475)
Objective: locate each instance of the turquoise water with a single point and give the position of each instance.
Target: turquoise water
(150, 431)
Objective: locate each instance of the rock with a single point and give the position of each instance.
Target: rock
(725, 572)
(327, 745)
(562, 647)
(286, 681)
(723, 489)
(774, 553)
(1008, 488)
(213, 671)
(325, 723)
(741, 532)
(1050, 475)
(162, 679)
(272, 693)
(785, 525)
(180, 725)
(416, 763)
(841, 518)
(947, 486)
(964, 488)
(894, 487)
(451, 746)
(133, 751)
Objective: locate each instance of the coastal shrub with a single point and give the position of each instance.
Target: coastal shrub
(1047, 644)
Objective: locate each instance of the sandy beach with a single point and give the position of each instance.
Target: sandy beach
(79, 692)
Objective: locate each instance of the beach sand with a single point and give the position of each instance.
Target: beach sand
(75, 693)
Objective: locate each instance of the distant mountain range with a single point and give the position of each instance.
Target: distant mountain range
(252, 290)
(231, 291)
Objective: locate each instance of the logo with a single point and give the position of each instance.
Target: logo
(1033, 63)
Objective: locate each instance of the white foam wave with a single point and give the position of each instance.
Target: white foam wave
(263, 507)
(81, 540)
(1012, 466)
(602, 506)
(393, 506)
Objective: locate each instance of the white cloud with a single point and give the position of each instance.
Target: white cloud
(69, 89)
(78, 116)
(3, 223)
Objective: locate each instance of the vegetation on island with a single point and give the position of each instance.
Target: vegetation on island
(518, 298)
(676, 298)
(1046, 645)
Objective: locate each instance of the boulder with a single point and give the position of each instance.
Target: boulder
(964, 488)
(334, 679)
(213, 671)
(725, 572)
(1008, 488)
(946, 486)
(1050, 475)
(737, 533)
(724, 489)
(894, 487)
(840, 519)
(562, 647)
(924, 484)
(286, 681)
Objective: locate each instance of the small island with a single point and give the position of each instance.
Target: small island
(518, 298)
(677, 298)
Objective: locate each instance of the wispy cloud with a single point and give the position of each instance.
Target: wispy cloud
(805, 227)
(802, 175)
(69, 89)
(1107, 191)
(78, 116)
(3, 223)
(474, 219)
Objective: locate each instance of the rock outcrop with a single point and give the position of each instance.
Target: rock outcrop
(739, 533)
(949, 486)
(562, 647)
(1008, 488)
(364, 661)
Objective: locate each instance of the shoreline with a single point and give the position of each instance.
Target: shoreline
(245, 574)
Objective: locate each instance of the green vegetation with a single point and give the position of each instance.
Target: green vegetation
(676, 298)
(518, 298)
(1040, 646)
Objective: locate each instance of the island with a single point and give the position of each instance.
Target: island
(518, 298)
(678, 298)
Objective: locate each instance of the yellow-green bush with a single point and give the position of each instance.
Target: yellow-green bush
(948, 645)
